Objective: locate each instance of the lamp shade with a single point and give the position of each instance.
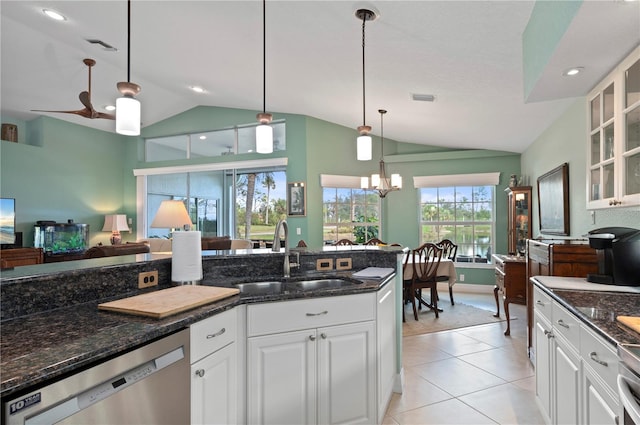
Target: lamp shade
(264, 138)
(128, 116)
(171, 215)
(115, 223)
(363, 148)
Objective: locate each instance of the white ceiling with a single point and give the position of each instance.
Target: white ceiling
(467, 53)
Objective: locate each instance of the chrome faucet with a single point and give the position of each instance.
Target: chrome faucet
(282, 224)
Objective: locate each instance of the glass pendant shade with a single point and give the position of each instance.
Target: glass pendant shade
(364, 182)
(264, 138)
(363, 148)
(375, 181)
(396, 181)
(128, 116)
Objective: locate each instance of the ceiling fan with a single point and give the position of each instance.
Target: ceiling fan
(85, 98)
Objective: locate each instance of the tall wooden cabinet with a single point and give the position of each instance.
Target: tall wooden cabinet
(518, 218)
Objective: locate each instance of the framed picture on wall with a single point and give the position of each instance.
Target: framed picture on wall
(296, 199)
(553, 201)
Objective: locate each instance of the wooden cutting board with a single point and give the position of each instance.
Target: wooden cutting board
(632, 322)
(170, 301)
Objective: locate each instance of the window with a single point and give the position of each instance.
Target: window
(349, 213)
(227, 141)
(463, 214)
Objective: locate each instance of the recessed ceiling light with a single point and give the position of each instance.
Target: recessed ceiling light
(203, 137)
(110, 108)
(423, 97)
(197, 89)
(54, 15)
(573, 71)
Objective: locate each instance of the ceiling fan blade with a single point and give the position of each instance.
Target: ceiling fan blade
(82, 112)
(105, 116)
(85, 98)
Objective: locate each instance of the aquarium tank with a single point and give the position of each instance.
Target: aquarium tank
(61, 238)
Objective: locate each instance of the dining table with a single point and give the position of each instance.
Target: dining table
(446, 268)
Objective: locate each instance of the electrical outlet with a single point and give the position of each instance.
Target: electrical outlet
(147, 279)
(343, 264)
(461, 278)
(324, 264)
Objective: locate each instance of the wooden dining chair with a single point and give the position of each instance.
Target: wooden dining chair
(374, 241)
(344, 242)
(449, 251)
(426, 260)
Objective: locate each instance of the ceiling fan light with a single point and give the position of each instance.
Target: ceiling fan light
(264, 138)
(363, 148)
(128, 116)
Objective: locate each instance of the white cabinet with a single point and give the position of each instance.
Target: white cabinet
(312, 361)
(557, 361)
(214, 370)
(613, 154)
(575, 368)
(386, 345)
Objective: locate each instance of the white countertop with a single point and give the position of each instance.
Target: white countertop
(581, 284)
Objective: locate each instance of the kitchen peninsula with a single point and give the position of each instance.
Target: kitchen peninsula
(52, 327)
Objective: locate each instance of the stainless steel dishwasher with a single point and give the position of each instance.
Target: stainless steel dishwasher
(149, 385)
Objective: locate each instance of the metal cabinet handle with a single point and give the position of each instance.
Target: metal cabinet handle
(312, 337)
(540, 303)
(220, 332)
(594, 356)
(200, 372)
(561, 323)
(323, 335)
(549, 334)
(318, 314)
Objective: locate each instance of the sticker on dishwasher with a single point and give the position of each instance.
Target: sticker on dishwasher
(26, 402)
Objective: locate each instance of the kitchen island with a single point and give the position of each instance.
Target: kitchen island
(52, 327)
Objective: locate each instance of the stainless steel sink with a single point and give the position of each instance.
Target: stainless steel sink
(261, 288)
(311, 285)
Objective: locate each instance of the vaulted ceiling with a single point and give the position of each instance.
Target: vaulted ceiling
(467, 53)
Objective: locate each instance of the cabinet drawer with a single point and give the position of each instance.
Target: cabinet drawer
(542, 303)
(213, 333)
(310, 313)
(600, 356)
(567, 325)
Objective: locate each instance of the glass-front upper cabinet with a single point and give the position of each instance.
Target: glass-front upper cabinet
(613, 169)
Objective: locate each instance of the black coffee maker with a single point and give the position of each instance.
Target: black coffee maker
(618, 252)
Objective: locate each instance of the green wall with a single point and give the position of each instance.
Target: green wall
(80, 173)
(566, 140)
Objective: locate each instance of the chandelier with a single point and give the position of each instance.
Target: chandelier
(380, 182)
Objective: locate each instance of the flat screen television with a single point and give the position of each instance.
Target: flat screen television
(7, 222)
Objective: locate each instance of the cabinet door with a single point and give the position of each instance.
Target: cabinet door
(567, 383)
(347, 374)
(543, 364)
(214, 388)
(599, 407)
(281, 376)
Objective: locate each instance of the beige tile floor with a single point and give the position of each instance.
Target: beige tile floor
(473, 375)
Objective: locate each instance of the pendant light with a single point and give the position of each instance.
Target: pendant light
(264, 132)
(363, 144)
(381, 182)
(127, 106)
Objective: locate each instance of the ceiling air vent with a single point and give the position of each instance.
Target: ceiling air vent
(423, 97)
(104, 45)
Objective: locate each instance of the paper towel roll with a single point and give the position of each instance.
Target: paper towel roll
(186, 261)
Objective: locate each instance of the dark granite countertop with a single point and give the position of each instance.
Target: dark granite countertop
(51, 344)
(598, 310)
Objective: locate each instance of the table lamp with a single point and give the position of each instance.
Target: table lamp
(115, 223)
(172, 215)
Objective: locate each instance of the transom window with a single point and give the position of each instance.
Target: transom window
(463, 214)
